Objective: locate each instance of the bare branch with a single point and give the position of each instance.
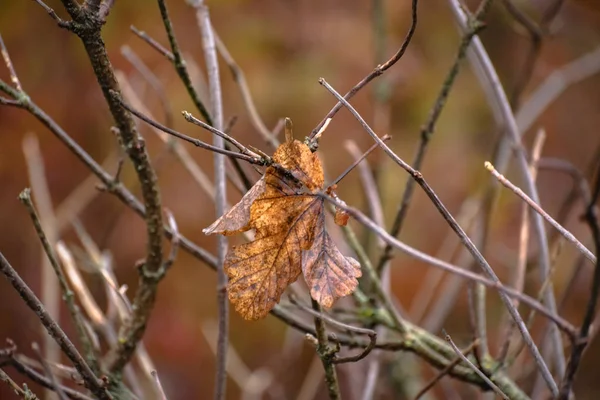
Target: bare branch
(326, 353)
(536, 207)
(195, 142)
(97, 386)
(214, 84)
(240, 79)
(61, 394)
(378, 71)
(152, 80)
(179, 64)
(428, 129)
(418, 177)
(358, 158)
(444, 372)
(153, 43)
(509, 122)
(340, 360)
(477, 370)
(25, 198)
(591, 217)
(53, 15)
(11, 69)
(158, 385)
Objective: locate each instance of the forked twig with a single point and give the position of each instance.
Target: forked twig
(477, 370)
(240, 79)
(428, 128)
(445, 371)
(416, 175)
(25, 198)
(496, 93)
(591, 217)
(340, 360)
(536, 207)
(91, 381)
(378, 71)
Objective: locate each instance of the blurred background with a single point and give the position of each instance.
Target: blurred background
(283, 48)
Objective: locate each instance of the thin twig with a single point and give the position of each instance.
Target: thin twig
(13, 385)
(153, 43)
(358, 158)
(158, 386)
(428, 129)
(195, 142)
(11, 69)
(416, 175)
(494, 86)
(369, 332)
(25, 198)
(444, 372)
(243, 149)
(368, 180)
(521, 267)
(179, 63)
(240, 79)
(378, 71)
(51, 291)
(44, 381)
(536, 207)
(326, 354)
(60, 393)
(53, 15)
(152, 80)
(91, 381)
(477, 370)
(553, 86)
(214, 84)
(591, 217)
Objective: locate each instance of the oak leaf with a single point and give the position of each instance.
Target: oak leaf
(290, 237)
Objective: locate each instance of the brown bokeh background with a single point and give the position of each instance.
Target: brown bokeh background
(283, 48)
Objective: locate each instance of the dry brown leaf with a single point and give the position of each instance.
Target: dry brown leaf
(236, 220)
(288, 218)
(328, 273)
(260, 271)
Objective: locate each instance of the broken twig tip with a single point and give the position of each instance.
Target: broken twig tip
(289, 133)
